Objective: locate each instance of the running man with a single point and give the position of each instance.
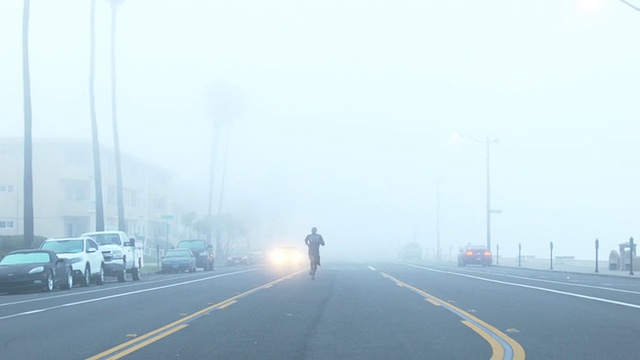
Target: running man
(313, 241)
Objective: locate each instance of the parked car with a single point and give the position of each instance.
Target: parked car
(120, 254)
(202, 250)
(178, 260)
(34, 269)
(84, 255)
(474, 254)
(238, 257)
(257, 256)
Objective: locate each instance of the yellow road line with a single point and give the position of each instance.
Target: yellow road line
(226, 305)
(145, 343)
(433, 302)
(168, 328)
(518, 350)
(496, 348)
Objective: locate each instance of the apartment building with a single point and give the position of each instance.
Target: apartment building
(64, 196)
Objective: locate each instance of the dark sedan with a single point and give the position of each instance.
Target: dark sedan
(474, 254)
(34, 269)
(239, 258)
(178, 260)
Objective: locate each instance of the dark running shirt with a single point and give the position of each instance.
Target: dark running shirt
(314, 241)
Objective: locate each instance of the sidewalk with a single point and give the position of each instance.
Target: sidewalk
(568, 265)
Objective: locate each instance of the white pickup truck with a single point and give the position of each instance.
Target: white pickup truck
(120, 254)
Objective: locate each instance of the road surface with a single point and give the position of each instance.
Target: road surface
(353, 310)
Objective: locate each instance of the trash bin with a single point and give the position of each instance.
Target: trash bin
(614, 260)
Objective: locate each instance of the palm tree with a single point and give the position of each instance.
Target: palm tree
(97, 170)
(635, 7)
(114, 117)
(28, 148)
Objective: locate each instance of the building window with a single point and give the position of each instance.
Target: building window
(7, 224)
(6, 188)
(77, 155)
(76, 190)
(130, 198)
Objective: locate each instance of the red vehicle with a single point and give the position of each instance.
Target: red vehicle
(475, 254)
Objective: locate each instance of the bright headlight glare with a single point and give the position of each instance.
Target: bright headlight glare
(36, 270)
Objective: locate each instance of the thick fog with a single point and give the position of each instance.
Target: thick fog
(342, 114)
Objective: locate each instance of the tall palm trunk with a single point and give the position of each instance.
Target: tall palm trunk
(212, 173)
(116, 137)
(28, 147)
(222, 181)
(97, 170)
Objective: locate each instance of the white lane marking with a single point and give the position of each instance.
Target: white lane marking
(116, 296)
(102, 289)
(556, 282)
(371, 268)
(614, 302)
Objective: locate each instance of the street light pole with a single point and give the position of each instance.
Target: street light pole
(488, 143)
(438, 219)
(488, 194)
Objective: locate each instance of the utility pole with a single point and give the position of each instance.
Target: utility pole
(488, 194)
(438, 257)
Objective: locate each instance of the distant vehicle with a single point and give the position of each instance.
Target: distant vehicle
(176, 260)
(411, 251)
(237, 257)
(257, 256)
(287, 255)
(83, 253)
(474, 254)
(34, 269)
(120, 254)
(202, 250)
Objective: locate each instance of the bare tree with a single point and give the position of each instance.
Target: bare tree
(97, 170)
(28, 144)
(114, 117)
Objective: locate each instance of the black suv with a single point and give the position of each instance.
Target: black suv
(202, 250)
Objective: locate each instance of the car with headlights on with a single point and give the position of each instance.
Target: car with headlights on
(176, 260)
(202, 250)
(84, 255)
(34, 269)
(474, 255)
(287, 255)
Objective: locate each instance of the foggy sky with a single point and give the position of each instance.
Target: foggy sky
(341, 113)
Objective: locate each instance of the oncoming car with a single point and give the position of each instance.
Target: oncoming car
(288, 255)
(474, 254)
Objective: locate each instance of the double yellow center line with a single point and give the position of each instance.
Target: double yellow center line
(502, 346)
(139, 342)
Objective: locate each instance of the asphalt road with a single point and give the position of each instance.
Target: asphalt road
(356, 310)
